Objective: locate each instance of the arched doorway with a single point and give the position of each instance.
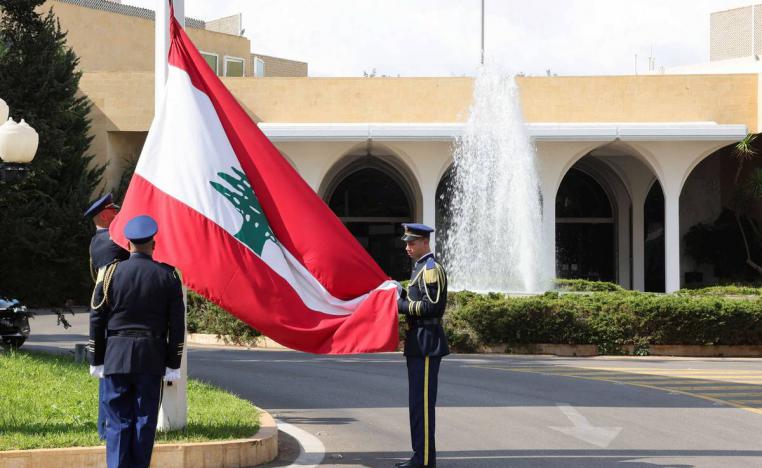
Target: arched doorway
(372, 199)
(721, 219)
(653, 222)
(585, 229)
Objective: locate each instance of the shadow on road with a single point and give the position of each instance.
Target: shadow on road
(289, 451)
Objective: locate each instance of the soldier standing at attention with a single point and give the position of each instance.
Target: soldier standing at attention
(103, 251)
(137, 331)
(425, 343)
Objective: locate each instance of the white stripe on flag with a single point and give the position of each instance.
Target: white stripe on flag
(186, 148)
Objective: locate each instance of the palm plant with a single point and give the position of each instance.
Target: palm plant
(747, 193)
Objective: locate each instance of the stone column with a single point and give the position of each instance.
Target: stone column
(672, 240)
(623, 240)
(549, 232)
(429, 209)
(638, 244)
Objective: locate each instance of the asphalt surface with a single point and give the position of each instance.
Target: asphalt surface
(493, 410)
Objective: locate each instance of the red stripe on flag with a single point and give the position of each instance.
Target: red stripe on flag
(221, 268)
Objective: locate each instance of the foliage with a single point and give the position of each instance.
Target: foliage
(206, 317)
(609, 320)
(745, 148)
(50, 401)
(45, 255)
(727, 290)
(124, 180)
(579, 285)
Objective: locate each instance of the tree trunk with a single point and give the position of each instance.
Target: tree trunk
(749, 261)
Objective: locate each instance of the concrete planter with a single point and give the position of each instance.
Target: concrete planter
(257, 450)
(214, 340)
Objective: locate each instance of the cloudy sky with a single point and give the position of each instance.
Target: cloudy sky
(441, 37)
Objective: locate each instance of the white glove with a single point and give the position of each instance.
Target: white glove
(96, 371)
(400, 290)
(171, 375)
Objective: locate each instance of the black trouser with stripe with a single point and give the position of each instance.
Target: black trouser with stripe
(422, 375)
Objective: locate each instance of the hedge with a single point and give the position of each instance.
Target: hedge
(606, 319)
(578, 312)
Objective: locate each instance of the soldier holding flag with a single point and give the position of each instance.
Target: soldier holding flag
(425, 343)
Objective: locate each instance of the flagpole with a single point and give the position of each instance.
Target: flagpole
(173, 412)
(482, 58)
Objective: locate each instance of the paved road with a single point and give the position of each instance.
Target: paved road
(496, 411)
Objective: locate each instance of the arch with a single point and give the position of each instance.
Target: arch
(385, 161)
(624, 147)
(372, 195)
(710, 216)
(587, 228)
(699, 159)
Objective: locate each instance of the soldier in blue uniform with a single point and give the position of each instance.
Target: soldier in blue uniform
(103, 251)
(425, 343)
(137, 330)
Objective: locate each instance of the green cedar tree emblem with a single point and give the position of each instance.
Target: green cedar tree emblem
(255, 230)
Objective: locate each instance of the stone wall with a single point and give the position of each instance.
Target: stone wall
(279, 67)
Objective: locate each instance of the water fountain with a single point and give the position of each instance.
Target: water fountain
(494, 238)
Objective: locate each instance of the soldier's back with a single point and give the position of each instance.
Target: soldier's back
(140, 293)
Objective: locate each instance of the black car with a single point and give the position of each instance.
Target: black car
(14, 322)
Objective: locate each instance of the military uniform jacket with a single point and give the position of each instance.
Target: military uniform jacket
(140, 326)
(104, 251)
(426, 300)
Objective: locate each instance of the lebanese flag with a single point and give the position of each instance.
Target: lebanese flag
(245, 229)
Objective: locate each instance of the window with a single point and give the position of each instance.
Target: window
(212, 60)
(259, 67)
(233, 66)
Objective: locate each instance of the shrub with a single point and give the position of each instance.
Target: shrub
(578, 285)
(609, 320)
(206, 317)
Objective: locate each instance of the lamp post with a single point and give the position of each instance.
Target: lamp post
(18, 145)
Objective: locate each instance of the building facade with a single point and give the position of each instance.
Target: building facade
(627, 164)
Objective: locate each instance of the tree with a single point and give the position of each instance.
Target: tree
(747, 192)
(44, 254)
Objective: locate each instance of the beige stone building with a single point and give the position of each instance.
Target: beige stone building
(111, 36)
(644, 146)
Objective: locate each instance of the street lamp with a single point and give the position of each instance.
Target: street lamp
(18, 145)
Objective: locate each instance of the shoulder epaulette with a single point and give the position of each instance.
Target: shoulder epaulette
(433, 272)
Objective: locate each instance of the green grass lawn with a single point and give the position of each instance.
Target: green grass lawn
(49, 401)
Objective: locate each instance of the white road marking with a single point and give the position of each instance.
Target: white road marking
(311, 449)
(584, 431)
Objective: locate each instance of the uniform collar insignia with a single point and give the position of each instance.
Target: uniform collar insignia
(424, 258)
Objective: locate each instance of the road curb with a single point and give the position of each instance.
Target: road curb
(564, 350)
(216, 340)
(257, 450)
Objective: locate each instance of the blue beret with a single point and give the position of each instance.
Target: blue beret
(415, 231)
(99, 205)
(140, 229)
